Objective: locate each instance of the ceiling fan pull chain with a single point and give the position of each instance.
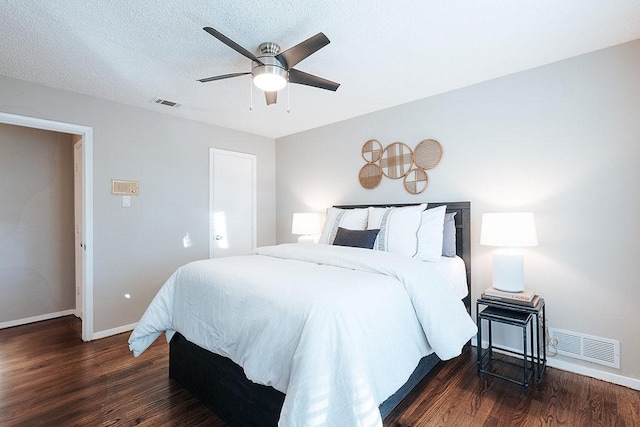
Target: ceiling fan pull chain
(288, 103)
(251, 96)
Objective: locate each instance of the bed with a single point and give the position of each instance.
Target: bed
(353, 361)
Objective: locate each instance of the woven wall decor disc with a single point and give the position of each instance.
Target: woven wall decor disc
(416, 181)
(372, 151)
(370, 176)
(428, 154)
(396, 160)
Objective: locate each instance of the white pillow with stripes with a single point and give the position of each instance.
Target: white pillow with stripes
(351, 219)
(398, 228)
(430, 234)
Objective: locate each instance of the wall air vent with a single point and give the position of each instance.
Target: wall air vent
(603, 351)
(165, 102)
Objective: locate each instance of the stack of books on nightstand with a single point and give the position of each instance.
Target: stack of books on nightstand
(527, 297)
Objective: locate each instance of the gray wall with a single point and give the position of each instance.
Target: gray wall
(562, 140)
(36, 223)
(137, 248)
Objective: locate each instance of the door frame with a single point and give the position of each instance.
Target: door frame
(78, 239)
(254, 161)
(86, 134)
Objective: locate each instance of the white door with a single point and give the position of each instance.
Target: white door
(232, 203)
(79, 226)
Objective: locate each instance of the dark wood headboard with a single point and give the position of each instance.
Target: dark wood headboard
(463, 232)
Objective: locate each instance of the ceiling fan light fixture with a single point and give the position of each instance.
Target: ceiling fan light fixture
(269, 78)
(272, 70)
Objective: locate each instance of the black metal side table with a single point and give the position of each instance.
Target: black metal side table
(525, 317)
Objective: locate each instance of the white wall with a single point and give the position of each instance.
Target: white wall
(136, 249)
(36, 223)
(562, 140)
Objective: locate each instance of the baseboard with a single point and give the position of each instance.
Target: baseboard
(39, 318)
(114, 331)
(568, 366)
(594, 373)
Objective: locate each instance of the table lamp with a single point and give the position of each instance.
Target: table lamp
(509, 231)
(306, 225)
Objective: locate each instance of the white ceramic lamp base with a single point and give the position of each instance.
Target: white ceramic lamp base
(508, 270)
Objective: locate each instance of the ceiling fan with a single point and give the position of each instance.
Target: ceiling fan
(271, 70)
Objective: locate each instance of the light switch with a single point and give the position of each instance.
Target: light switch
(126, 201)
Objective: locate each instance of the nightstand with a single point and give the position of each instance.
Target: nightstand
(532, 322)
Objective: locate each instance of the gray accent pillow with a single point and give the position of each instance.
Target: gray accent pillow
(355, 238)
(449, 235)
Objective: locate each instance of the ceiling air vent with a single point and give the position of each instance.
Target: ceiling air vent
(165, 102)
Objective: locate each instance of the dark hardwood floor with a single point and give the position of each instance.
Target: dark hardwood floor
(49, 377)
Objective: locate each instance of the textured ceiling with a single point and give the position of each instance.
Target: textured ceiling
(383, 52)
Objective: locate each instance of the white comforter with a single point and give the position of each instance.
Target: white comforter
(337, 329)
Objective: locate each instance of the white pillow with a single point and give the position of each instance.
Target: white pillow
(351, 219)
(430, 234)
(398, 228)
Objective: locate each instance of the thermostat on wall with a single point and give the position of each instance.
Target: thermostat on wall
(124, 188)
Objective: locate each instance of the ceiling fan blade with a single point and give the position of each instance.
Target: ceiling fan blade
(233, 45)
(271, 97)
(290, 57)
(302, 78)
(222, 76)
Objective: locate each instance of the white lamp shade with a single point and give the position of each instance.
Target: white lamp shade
(305, 223)
(509, 229)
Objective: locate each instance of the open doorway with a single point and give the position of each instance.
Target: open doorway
(82, 137)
